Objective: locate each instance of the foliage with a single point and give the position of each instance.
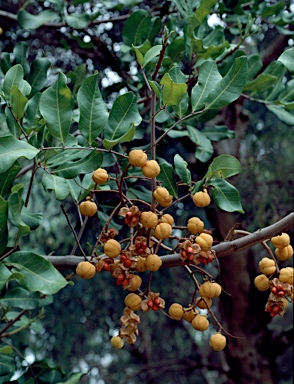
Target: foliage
(178, 73)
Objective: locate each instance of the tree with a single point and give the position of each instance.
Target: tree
(156, 131)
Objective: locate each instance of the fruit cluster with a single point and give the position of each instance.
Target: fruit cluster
(279, 281)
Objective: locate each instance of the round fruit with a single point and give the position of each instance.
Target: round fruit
(267, 266)
(200, 323)
(148, 219)
(117, 342)
(210, 290)
(135, 283)
(162, 231)
(140, 266)
(163, 197)
(189, 314)
(167, 218)
(195, 225)
(261, 282)
(202, 303)
(100, 176)
(112, 248)
(88, 208)
(286, 275)
(153, 262)
(133, 301)
(284, 302)
(284, 253)
(281, 241)
(176, 311)
(86, 270)
(151, 169)
(137, 157)
(217, 342)
(205, 241)
(201, 199)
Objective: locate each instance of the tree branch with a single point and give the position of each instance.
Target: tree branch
(223, 249)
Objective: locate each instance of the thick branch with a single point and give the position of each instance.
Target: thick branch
(223, 249)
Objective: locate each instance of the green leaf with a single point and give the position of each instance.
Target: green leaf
(276, 68)
(39, 274)
(77, 77)
(73, 379)
(57, 184)
(56, 105)
(14, 76)
(218, 132)
(18, 102)
(198, 186)
(167, 178)
(139, 55)
(74, 188)
(71, 169)
(33, 220)
(77, 21)
(172, 92)
(20, 54)
(223, 166)
(182, 108)
(200, 14)
(181, 167)
(225, 195)
(177, 75)
(123, 115)
(287, 58)
(7, 178)
(204, 148)
(209, 76)
(15, 204)
(230, 87)
(20, 298)
(7, 366)
(93, 111)
(156, 88)
(153, 52)
(28, 21)
(3, 224)
(284, 115)
(6, 350)
(38, 75)
(260, 84)
(125, 138)
(4, 276)
(254, 66)
(32, 113)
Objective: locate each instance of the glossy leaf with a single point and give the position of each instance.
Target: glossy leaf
(33, 220)
(14, 76)
(15, 205)
(181, 167)
(139, 55)
(76, 21)
(140, 27)
(32, 113)
(254, 66)
(20, 298)
(285, 116)
(201, 13)
(7, 367)
(276, 68)
(73, 379)
(225, 195)
(4, 275)
(28, 21)
(3, 224)
(20, 54)
(39, 274)
(260, 84)
(204, 148)
(12, 149)
(172, 92)
(230, 87)
(218, 132)
(209, 76)
(18, 102)
(38, 75)
(167, 178)
(93, 111)
(287, 58)
(7, 179)
(151, 54)
(56, 105)
(223, 166)
(57, 184)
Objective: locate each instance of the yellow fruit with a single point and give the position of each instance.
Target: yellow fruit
(137, 157)
(133, 301)
(267, 266)
(176, 311)
(195, 225)
(200, 323)
(261, 282)
(284, 253)
(163, 197)
(153, 262)
(189, 314)
(281, 241)
(205, 241)
(112, 248)
(201, 199)
(202, 303)
(286, 275)
(86, 270)
(140, 266)
(148, 219)
(210, 290)
(151, 169)
(135, 282)
(88, 208)
(217, 342)
(100, 176)
(284, 302)
(117, 342)
(162, 231)
(167, 218)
